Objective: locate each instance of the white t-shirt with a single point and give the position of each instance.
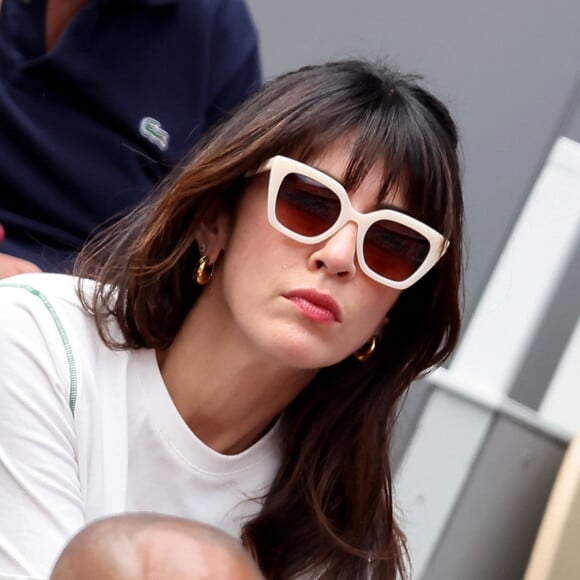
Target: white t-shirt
(86, 431)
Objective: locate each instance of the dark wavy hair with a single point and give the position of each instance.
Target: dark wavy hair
(330, 512)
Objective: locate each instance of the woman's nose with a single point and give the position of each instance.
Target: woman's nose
(337, 254)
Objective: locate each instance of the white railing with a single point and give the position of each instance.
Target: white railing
(455, 422)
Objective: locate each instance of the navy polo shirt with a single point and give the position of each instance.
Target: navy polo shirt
(87, 129)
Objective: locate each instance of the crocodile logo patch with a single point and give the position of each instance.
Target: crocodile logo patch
(151, 129)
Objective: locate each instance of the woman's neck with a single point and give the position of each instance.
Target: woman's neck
(225, 391)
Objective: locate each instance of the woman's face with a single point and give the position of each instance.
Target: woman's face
(308, 306)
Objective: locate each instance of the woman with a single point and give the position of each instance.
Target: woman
(240, 349)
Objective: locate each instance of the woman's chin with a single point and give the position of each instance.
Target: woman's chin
(307, 356)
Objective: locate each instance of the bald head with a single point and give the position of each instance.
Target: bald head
(151, 546)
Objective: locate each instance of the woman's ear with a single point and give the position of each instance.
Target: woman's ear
(212, 237)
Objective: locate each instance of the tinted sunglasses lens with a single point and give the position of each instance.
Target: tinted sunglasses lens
(305, 206)
(393, 250)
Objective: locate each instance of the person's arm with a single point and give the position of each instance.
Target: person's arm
(9, 265)
(41, 504)
(236, 64)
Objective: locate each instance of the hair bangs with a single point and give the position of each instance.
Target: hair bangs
(386, 129)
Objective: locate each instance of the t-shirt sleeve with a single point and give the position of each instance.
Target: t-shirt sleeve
(236, 66)
(41, 504)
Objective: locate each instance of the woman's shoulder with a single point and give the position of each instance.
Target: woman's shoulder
(43, 305)
(43, 323)
(42, 287)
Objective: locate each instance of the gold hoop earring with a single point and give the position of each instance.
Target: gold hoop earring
(203, 271)
(366, 351)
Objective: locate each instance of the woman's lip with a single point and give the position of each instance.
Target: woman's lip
(316, 305)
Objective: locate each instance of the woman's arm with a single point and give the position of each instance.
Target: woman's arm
(41, 504)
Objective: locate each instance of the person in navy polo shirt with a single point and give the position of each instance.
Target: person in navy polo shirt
(99, 99)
